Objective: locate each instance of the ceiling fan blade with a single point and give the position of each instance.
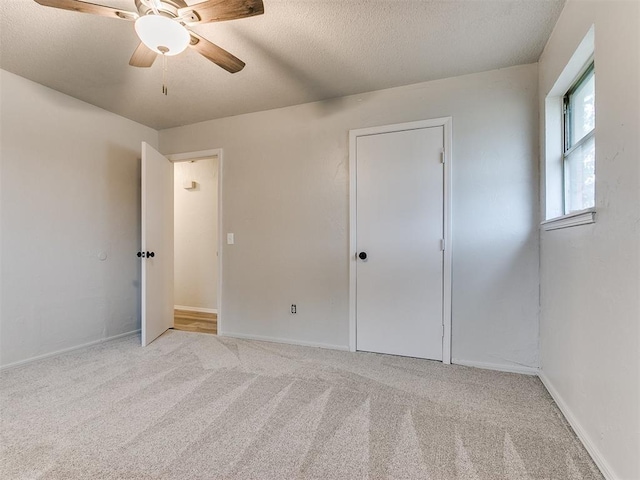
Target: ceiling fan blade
(85, 7)
(143, 57)
(220, 10)
(217, 55)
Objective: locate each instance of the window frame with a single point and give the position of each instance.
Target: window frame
(567, 148)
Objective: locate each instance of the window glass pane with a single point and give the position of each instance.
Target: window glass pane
(580, 177)
(583, 112)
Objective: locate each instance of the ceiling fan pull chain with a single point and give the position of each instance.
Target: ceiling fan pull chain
(164, 75)
(165, 90)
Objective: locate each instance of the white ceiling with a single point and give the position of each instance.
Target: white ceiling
(298, 51)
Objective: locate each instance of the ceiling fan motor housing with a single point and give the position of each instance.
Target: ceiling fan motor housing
(165, 7)
(168, 8)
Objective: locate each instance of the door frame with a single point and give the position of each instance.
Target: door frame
(447, 124)
(216, 152)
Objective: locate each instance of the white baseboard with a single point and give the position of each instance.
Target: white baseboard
(196, 309)
(497, 366)
(597, 457)
(283, 340)
(66, 350)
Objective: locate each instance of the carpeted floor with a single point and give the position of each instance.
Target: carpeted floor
(194, 406)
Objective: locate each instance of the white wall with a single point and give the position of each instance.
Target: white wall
(70, 196)
(196, 234)
(590, 275)
(285, 196)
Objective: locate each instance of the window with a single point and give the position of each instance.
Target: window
(569, 141)
(578, 158)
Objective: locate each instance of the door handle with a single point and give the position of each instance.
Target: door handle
(362, 255)
(151, 254)
(140, 254)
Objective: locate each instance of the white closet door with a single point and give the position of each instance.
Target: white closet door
(399, 225)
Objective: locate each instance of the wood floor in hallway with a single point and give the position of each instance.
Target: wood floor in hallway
(199, 322)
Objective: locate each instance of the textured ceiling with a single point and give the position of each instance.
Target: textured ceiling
(298, 51)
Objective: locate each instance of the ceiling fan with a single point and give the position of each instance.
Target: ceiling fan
(162, 26)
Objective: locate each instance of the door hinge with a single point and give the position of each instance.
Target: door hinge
(442, 156)
(442, 244)
(443, 330)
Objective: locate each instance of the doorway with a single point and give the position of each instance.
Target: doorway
(158, 238)
(195, 198)
(400, 256)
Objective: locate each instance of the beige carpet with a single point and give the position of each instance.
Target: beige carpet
(194, 406)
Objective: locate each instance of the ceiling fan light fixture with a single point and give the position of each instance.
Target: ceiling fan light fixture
(162, 34)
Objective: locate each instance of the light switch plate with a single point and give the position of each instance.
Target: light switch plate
(230, 239)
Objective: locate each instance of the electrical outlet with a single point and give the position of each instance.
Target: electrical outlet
(294, 309)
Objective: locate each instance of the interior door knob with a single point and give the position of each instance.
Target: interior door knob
(362, 255)
(151, 254)
(140, 254)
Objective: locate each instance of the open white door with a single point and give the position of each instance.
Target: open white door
(157, 244)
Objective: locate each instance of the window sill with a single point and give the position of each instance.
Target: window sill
(583, 217)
